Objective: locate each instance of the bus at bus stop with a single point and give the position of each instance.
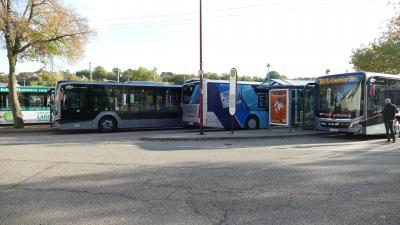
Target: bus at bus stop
(108, 106)
(351, 102)
(35, 104)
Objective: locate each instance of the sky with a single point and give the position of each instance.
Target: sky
(296, 37)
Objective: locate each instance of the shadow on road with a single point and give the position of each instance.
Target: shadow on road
(351, 188)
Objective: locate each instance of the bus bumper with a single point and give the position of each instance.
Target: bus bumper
(343, 130)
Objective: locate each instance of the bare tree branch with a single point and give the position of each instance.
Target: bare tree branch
(27, 8)
(57, 38)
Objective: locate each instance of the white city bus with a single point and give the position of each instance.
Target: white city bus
(35, 105)
(351, 102)
(108, 106)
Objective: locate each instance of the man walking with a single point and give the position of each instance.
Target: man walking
(389, 114)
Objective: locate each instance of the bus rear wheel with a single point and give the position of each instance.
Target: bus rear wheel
(107, 124)
(252, 123)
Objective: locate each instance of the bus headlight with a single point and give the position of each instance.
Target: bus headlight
(356, 125)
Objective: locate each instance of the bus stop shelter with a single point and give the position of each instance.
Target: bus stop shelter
(290, 103)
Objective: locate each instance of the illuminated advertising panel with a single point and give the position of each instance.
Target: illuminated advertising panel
(278, 105)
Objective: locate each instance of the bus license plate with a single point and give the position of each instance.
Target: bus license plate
(333, 129)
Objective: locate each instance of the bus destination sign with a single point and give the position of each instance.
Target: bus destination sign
(27, 89)
(338, 80)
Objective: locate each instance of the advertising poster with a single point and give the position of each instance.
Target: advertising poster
(278, 104)
(6, 117)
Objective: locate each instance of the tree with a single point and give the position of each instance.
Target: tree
(143, 74)
(72, 77)
(275, 75)
(99, 73)
(83, 73)
(112, 76)
(3, 78)
(383, 54)
(48, 78)
(127, 75)
(37, 30)
(211, 76)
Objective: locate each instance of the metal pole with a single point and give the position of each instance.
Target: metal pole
(90, 70)
(289, 108)
(232, 124)
(269, 89)
(154, 74)
(201, 71)
(118, 75)
(269, 77)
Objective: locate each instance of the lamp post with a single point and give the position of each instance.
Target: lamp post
(90, 70)
(118, 75)
(268, 75)
(201, 71)
(269, 88)
(154, 73)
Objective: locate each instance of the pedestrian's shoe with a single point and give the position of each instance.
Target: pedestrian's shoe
(388, 141)
(394, 141)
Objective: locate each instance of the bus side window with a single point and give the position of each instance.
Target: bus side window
(394, 91)
(262, 101)
(3, 100)
(134, 99)
(377, 93)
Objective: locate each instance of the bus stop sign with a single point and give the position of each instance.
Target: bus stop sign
(232, 91)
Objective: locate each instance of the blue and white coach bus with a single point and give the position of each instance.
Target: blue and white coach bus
(251, 105)
(109, 106)
(351, 102)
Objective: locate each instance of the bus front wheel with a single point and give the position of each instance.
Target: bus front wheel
(252, 123)
(107, 124)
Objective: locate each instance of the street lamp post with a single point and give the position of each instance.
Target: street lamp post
(154, 73)
(90, 70)
(268, 75)
(269, 88)
(118, 75)
(201, 71)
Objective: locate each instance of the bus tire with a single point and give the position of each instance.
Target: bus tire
(252, 123)
(107, 124)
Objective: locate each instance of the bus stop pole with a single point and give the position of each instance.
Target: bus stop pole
(290, 110)
(201, 71)
(232, 124)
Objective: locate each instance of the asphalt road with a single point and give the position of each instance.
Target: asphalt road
(92, 178)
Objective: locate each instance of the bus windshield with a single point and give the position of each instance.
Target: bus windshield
(191, 94)
(340, 97)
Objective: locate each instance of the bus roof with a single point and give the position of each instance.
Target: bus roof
(279, 82)
(197, 80)
(130, 83)
(367, 74)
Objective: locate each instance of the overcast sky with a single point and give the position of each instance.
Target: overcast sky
(297, 37)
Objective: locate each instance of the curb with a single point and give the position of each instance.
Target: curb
(231, 138)
(25, 130)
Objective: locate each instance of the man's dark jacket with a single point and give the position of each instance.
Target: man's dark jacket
(389, 112)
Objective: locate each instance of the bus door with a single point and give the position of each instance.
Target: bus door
(50, 103)
(309, 105)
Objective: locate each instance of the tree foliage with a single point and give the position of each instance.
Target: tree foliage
(38, 30)
(383, 54)
(48, 78)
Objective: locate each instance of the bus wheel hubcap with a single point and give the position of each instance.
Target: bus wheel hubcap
(107, 124)
(252, 123)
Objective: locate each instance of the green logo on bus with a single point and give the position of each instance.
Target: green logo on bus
(8, 117)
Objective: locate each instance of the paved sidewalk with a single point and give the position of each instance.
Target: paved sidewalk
(187, 135)
(193, 135)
